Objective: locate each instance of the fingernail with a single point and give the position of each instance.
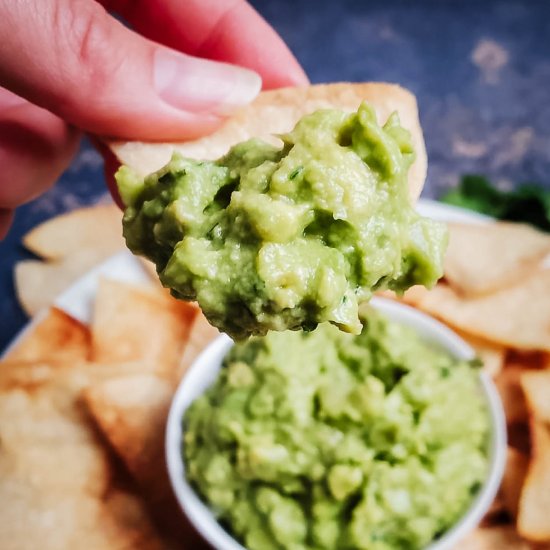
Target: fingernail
(202, 86)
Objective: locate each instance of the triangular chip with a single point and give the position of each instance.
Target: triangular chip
(96, 227)
(34, 518)
(517, 317)
(493, 538)
(512, 482)
(56, 337)
(534, 505)
(131, 412)
(133, 323)
(508, 384)
(276, 112)
(482, 258)
(57, 481)
(39, 283)
(536, 386)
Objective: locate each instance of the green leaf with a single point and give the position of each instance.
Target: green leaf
(529, 203)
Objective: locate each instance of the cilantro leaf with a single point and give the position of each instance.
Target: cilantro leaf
(529, 203)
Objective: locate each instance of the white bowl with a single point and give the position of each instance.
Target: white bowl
(205, 369)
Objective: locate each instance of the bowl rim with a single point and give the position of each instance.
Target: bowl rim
(198, 378)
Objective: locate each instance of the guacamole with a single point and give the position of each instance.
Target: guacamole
(325, 440)
(274, 238)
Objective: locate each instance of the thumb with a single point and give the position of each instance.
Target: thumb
(72, 58)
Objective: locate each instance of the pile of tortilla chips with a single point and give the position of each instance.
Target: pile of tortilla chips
(82, 415)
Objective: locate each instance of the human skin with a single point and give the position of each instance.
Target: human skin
(68, 66)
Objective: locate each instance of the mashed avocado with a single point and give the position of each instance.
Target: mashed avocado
(325, 440)
(275, 238)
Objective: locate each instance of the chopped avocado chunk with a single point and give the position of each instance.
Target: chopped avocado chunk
(325, 440)
(274, 238)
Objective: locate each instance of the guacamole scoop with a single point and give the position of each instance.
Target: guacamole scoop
(325, 440)
(274, 238)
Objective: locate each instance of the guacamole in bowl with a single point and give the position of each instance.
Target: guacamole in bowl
(325, 440)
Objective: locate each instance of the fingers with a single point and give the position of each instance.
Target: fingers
(35, 148)
(226, 30)
(74, 59)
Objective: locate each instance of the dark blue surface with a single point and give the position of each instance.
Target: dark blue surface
(480, 70)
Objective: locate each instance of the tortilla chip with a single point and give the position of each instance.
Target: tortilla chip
(518, 316)
(131, 412)
(56, 478)
(534, 505)
(39, 432)
(56, 337)
(495, 513)
(37, 283)
(519, 437)
(31, 518)
(536, 386)
(29, 375)
(97, 227)
(202, 333)
(482, 258)
(411, 296)
(133, 323)
(508, 384)
(276, 112)
(512, 482)
(493, 538)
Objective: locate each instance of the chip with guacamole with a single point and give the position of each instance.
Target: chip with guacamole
(326, 441)
(274, 238)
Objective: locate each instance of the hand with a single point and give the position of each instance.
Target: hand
(70, 66)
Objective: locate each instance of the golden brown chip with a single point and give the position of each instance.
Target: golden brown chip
(131, 412)
(133, 323)
(495, 513)
(411, 297)
(482, 258)
(534, 505)
(536, 387)
(97, 227)
(276, 112)
(519, 437)
(493, 538)
(56, 337)
(56, 477)
(517, 317)
(38, 283)
(32, 518)
(512, 482)
(508, 384)
(40, 431)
